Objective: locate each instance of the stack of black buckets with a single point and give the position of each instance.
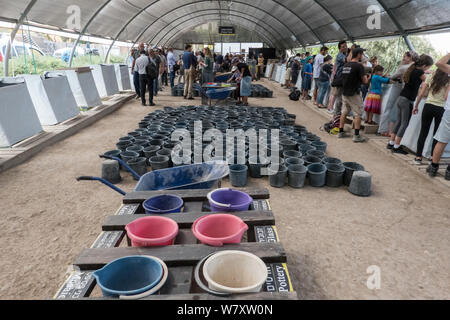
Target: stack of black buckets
(302, 155)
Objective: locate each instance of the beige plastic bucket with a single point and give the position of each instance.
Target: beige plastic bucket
(235, 272)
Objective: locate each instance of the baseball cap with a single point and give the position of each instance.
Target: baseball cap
(234, 68)
(357, 51)
(235, 60)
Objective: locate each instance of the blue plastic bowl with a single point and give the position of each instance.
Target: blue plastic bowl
(129, 276)
(163, 204)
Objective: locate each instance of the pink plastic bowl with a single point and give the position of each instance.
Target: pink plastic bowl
(219, 229)
(152, 232)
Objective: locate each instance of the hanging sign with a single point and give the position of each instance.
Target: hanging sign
(227, 30)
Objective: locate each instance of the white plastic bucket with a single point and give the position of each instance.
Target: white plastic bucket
(235, 272)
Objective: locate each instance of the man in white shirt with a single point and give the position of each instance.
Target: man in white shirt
(135, 53)
(141, 67)
(318, 61)
(171, 62)
(443, 134)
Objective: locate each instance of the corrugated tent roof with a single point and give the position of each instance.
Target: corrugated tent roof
(282, 23)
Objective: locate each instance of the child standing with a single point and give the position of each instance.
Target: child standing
(373, 100)
(308, 78)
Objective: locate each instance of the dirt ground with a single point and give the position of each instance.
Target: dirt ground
(331, 237)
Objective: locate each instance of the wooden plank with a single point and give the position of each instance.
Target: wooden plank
(185, 236)
(185, 220)
(182, 255)
(179, 281)
(193, 206)
(189, 195)
(262, 296)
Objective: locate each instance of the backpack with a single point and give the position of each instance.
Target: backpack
(152, 70)
(334, 123)
(295, 95)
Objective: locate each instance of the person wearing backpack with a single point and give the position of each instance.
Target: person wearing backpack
(158, 62)
(353, 76)
(172, 63)
(152, 74)
(337, 78)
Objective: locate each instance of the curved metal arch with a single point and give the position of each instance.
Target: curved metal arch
(200, 1)
(126, 25)
(13, 35)
(400, 28)
(214, 14)
(262, 35)
(349, 37)
(206, 10)
(173, 37)
(301, 19)
(85, 28)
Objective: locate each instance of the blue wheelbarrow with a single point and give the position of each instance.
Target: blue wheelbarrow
(217, 94)
(223, 77)
(196, 176)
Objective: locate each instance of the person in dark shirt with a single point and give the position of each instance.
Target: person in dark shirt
(190, 63)
(353, 75)
(326, 69)
(413, 79)
(295, 70)
(246, 80)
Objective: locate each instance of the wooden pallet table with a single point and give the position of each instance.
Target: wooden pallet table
(181, 258)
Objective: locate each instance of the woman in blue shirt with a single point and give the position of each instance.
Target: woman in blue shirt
(373, 100)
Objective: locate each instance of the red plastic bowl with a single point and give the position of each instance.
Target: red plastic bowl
(152, 232)
(219, 229)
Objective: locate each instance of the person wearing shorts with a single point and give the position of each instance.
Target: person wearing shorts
(353, 76)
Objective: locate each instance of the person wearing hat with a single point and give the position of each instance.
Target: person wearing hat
(234, 78)
(353, 75)
(326, 70)
(295, 70)
(245, 80)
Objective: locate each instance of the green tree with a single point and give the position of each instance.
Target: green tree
(389, 51)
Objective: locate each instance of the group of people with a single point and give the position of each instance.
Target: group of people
(206, 64)
(151, 69)
(356, 87)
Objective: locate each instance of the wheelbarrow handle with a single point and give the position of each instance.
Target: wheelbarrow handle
(107, 183)
(123, 163)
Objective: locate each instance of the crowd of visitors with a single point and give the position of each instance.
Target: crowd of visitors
(151, 69)
(191, 67)
(354, 86)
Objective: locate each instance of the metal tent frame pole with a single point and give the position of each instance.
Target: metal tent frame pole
(402, 31)
(13, 36)
(83, 31)
(125, 26)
